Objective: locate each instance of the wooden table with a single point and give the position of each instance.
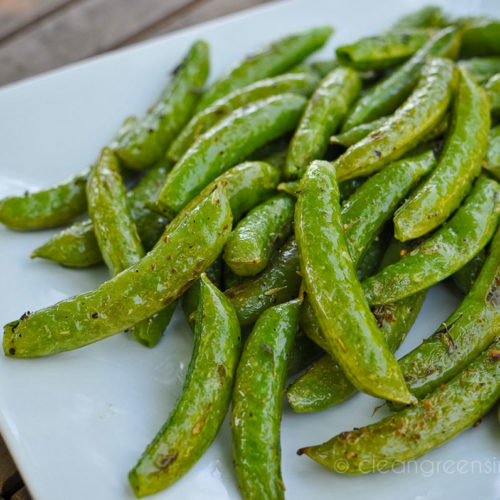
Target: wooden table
(39, 35)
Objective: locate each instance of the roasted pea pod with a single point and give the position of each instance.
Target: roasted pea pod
(147, 142)
(492, 88)
(200, 411)
(324, 113)
(224, 145)
(269, 61)
(459, 164)
(303, 84)
(420, 113)
(416, 430)
(492, 160)
(481, 37)
(355, 134)
(446, 251)
(426, 17)
(383, 98)
(383, 51)
(184, 251)
(258, 234)
(465, 277)
(279, 282)
(463, 336)
(335, 292)
(481, 68)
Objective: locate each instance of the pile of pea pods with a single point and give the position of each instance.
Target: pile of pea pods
(299, 211)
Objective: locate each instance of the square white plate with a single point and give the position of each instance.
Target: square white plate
(77, 422)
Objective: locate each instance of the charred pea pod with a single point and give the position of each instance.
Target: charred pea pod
(258, 234)
(147, 142)
(481, 37)
(196, 418)
(492, 160)
(184, 251)
(324, 113)
(271, 60)
(258, 400)
(420, 113)
(224, 145)
(459, 164)
(493, 90)
(481, 68)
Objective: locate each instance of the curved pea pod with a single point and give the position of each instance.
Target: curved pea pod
(269, 61)
(492, 160)
(415, 430)
(324, 113)
(420, 113)
(302, 84)
(481, 37)
(426, 17)
(256, 236)
(383, 51)
(459, 164)
(317, 68)
(346, 188)
(465, 277)
(446, 251)
(355, 134)
(481, 68)
(185, 250)
(384, 97)
(198, 414)
(148, 141)
(258, 400)
(226, 144)
(278, 283)
(463, 336)
(493, 90)
(335, 293)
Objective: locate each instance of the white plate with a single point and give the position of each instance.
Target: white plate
(77, 422)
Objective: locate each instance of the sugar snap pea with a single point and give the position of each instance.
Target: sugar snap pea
(185, 250)
(226, 144)
(416, 430)
(481, 68)
(147, 142)
(355, 134)
(459, 164)
(324, 113)
(492, 160)
(420, 113)
(200, 410)
(492, 88)
(295, 83)
(383, 98)
(257, 402)
(481, 37)
(269, 61)
(258, 234)
(427, 17)
(331, 283)
(446, 251)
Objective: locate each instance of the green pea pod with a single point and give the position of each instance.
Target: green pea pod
(415, 430)
(421, 112)
(258, 400)
(384, 97)
(492, 88)
(465, 277)
(463, 336)
(335, 292)
(426, 17)
(481, 68)
(459, 164)
(492, 160)
(200, 411)
(355, 134)
(269, 61)
(226, 144)
(254, 239)
(383, 51)
(446, 251)
(317, 68)
(481, 37)
(324, 113)
(185, 250)
(147, 142)
(278, 283)
(368, 264)
(302, 84)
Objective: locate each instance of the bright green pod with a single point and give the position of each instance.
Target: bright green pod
(302, 84)
(324, 113)
(355, 134)
(481, 68)
(481, 37)
(429, 16)
(414, 431)
(459, 164)
(198, 414)
(226, 144)
(465, 277)
(258, 234)
(258, 400)
(384, 97)
(271, 60)
(278, 283)
(445, 252)
(346, 188)
(317, 68)
(492, 160)
(335, 292)
(492, 88)
(184, 251)
(402, 131)
(148, 141)
(383, 51)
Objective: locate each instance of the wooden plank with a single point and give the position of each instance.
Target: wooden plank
(22, 494)
(10, 480)
(88, 28)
